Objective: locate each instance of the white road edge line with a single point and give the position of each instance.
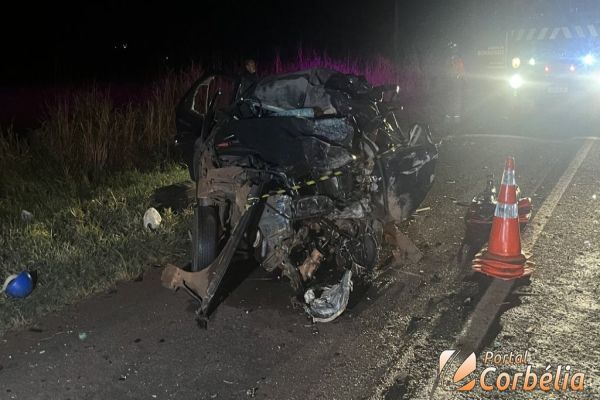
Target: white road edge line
(501, 288)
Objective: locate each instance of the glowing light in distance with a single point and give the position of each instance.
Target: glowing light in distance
(515, 81)
(589, 59)
(516, 62)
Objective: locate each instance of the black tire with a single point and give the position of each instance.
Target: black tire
(190, 167)
(204, 238)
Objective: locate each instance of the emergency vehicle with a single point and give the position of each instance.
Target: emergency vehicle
(548, 58)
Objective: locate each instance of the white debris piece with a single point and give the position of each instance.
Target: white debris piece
(7, 281)
(26, 216)
(309, 296)
(152, 218)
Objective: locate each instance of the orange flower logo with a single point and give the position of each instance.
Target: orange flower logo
(468, 366)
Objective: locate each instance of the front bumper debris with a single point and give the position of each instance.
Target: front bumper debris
(332, 302)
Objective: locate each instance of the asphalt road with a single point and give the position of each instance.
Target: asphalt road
(140, 340)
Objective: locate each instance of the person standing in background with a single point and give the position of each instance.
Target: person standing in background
(249, 77)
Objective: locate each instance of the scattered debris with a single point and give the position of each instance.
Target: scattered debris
(410, 273)
(405, 249)
(310, 265)
(82, 335)
(26, 216)
(152, 219)
(56, 334)
(420, 210)
(309, 297)
(251, 392)
(333, 300)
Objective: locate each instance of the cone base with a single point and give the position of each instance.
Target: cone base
(506, 268)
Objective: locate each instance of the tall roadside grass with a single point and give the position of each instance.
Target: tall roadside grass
(88, 135)
(13, 150)
(377, 70)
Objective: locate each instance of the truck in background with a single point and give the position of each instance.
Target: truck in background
(536, 57)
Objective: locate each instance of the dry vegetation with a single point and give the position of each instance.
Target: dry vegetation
(89, 135)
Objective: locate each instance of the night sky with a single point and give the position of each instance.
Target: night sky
(133, 40)
(127, 40)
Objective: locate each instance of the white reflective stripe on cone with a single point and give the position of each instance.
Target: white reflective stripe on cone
(508, 178)
(506, 210)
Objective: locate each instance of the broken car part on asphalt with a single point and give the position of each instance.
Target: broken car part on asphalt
(302, 173)
(332, 302)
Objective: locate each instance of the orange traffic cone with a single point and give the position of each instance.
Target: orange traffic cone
(503, 257)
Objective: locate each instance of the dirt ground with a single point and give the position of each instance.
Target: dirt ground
(140, 340)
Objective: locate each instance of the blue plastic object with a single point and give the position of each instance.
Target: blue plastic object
(20, 286)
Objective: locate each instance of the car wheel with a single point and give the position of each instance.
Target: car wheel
(204, 238)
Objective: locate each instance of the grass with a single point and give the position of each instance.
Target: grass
(377, 70)
(80, 245)
(87, 175)
(88, 135)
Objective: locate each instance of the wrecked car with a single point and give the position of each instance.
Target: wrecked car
(298, 171)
